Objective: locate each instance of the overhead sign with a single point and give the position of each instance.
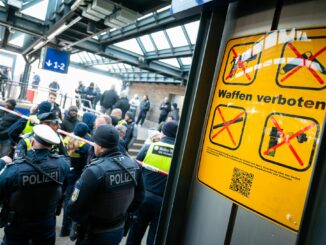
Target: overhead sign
(263, 130)
(55, 60)
(183, 5)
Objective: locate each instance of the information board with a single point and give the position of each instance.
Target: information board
(265, 120)
(54, 60)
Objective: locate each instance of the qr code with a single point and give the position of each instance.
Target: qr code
(241, 182)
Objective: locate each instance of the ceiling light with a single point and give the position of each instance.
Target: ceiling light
(40, 44)
(57, 31)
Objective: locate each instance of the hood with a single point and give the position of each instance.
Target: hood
(89, 119)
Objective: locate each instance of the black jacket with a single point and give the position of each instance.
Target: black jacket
(145, 105)
(105, 191)
(6, 120)
(123, 105)
(68, 124)
(109, 98)
(165, 108)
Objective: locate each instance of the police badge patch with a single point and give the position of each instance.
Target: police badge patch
(75, 195)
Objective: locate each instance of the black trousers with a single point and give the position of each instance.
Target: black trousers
(141, 117)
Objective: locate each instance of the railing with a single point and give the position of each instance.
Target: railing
(12, 89)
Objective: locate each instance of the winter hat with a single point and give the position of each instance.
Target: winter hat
(44, 107)
(106, 136)
(175, 105)
(130, 115)
(12, 102)
(81, 129)
(73, 108)
(170, 129)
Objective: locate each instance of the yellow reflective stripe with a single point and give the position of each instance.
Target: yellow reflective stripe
(159, 161)
(28, 143)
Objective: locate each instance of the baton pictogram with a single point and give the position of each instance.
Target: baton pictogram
(226, 132)
(311, 56)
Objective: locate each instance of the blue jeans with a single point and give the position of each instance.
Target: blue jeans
(148, 214)
(39, 232)
(112, 237)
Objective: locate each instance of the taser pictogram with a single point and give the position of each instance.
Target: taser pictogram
(289, 141)
(303, 65)
(242, 64)
(227, 126)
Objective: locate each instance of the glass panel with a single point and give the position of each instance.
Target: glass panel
(38, 10)
(160, 40)
(186, 60)
(115, 66)
(130, 45)
(2, 4)
(17, 39)
(177, 37)
(192, 30)
(75, 58)
(121, 66)
(148, 44)
(173, 62)
(110, 67)
(101, 67)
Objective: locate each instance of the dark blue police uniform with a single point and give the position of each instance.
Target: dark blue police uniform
(30, 198)
(105, 192)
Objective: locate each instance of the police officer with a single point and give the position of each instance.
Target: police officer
(107, 188)
(158, 155)
(52, 121)
(30, 189)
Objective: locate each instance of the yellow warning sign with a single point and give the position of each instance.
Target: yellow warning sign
(228, 125)
(304, 64)
(263, 131)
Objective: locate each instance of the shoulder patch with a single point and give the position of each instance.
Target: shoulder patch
(75, 195)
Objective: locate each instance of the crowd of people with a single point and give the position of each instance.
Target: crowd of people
(54, 160)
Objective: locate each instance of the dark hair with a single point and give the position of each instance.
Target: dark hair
(53, 93)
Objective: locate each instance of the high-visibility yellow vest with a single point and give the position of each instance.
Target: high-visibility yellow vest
(122, 122)
(159, 155)
(29, 127)
(73, 154)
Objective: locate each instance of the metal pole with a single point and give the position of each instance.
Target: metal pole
(24, 81)
(173, 218)
(313, 223)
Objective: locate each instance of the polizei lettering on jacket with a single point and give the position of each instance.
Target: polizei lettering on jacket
(119, 178)
(38, 178)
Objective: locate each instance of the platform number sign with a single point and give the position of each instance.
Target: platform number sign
(55, 60)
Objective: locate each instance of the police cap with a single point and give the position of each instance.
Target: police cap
(45, 135)
(49, 117)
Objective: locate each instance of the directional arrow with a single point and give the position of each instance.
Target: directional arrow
(48, 63)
